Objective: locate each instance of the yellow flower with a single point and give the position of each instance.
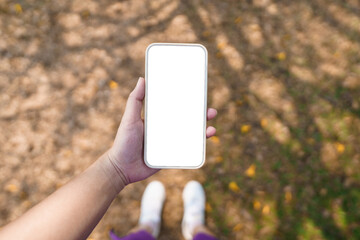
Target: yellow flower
(215, 140)
(250, 172)
(237, 227)
(113, 84)
(234, 187)
(340, 147)
(238, 20)
(18, 8)
(281, 56)
(266, 209)
(11, 188)
(263, 122)
(257, 205)
(245, 128)
(288, 196)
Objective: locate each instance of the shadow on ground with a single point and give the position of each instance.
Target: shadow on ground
(284, 75)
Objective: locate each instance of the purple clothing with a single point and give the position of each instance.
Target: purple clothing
(144, 235)
(139, 235)
(204, 236)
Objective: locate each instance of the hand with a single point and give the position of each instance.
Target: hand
(127, 153)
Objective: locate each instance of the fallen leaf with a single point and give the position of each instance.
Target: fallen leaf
(113, 84)
(245, 128)
(246, 98)
(239, 102)
(221, 45)
(263, 122)
(237, 227)
(250, 172)
(67, 153)
(219, 159)
(257, 205)
(286, 37)
(281, 56)
(12, 188)
(23, 195)
(108, 229)
(219, 55)
(288, 196)
(266, 209)
(18, 8)
(340, 147)
(215, 140)
(208, 208)
(26, 204)
(238, 20)
(206, 33)
(323, 191)
(310, 141)
(85, 14)
(336, 54)
(234, 187)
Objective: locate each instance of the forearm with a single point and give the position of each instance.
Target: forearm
(72, 211)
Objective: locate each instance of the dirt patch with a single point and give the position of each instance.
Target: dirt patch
(284, 76)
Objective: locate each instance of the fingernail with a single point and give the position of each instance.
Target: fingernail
(138, 81)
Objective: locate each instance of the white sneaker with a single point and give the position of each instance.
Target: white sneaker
(151, 206)
(194, 208)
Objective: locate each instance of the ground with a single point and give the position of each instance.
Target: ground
(284, 76)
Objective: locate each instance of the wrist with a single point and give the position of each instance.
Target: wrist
(113, 172)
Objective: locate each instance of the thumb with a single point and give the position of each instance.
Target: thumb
(135, 102)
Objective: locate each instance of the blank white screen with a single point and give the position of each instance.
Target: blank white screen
(175, 106)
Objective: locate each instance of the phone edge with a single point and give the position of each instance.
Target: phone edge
(205, 106)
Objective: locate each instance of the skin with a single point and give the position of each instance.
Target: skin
(74, 210)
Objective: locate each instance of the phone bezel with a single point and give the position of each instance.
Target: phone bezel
(205, 105)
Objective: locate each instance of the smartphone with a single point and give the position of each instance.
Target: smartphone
(175, 105)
